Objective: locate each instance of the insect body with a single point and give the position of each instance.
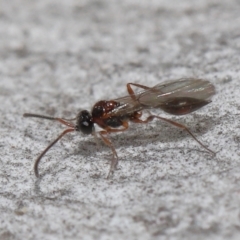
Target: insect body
(178, 97)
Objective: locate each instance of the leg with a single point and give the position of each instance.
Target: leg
(103, 133)
(131, 92)
(151, 117)
(114, 161)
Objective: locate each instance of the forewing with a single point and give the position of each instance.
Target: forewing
(183, 88)
(160, 95)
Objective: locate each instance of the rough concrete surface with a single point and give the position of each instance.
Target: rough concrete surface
(57, 57)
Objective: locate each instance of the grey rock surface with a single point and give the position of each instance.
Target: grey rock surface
(57, 57)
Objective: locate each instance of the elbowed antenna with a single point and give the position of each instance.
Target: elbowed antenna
(61, 120)
(48, 147)
(38, 116)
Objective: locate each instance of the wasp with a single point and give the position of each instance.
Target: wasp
(177, 97)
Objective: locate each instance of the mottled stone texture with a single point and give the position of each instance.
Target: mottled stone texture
(60, 56)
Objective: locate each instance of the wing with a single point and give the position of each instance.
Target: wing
(179, 97)
(175, 97)
(185, 87)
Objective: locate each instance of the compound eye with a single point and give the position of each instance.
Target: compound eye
(84, 122)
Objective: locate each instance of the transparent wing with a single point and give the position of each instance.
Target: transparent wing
(183, 88)
(176, 97)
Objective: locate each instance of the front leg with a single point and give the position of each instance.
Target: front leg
(103, 134)
(114, 161)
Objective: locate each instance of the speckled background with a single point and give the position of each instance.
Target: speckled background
(57, 57)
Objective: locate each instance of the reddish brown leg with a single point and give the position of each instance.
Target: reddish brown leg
(131, 92)
(106, 140)
(48, 147)
(114, 160)
(151, 117)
